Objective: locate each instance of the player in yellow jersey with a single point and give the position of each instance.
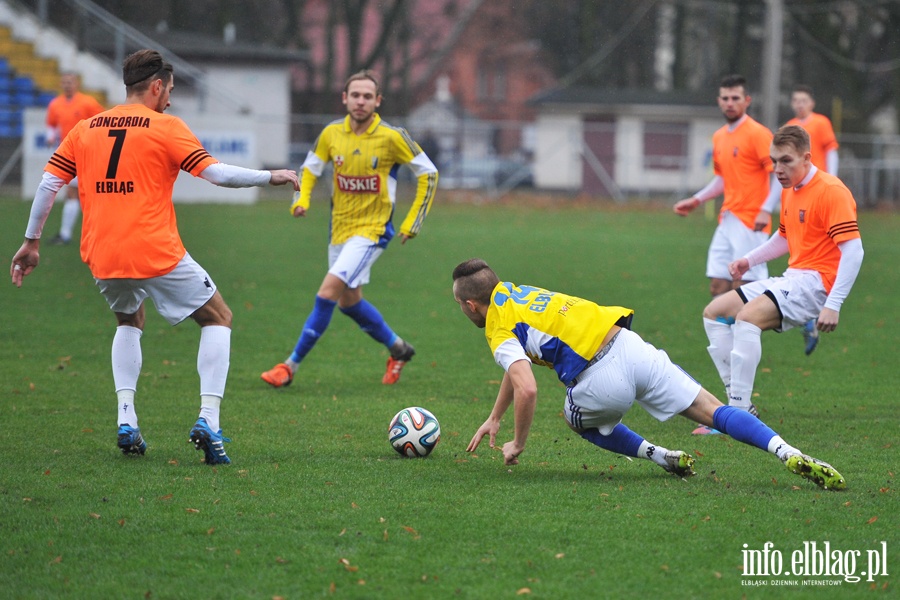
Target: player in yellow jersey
(606, 368)
(127, 159)
(820, 233)
(366, 153)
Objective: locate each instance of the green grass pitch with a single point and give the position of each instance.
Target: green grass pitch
(318, 505)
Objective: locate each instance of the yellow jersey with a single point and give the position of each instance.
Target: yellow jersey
(365, 179)
(548, 328)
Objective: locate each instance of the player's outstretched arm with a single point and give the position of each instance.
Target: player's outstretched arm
(525, 399)
(284, 176)
(492, 425)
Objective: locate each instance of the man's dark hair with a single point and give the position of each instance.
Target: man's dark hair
(474, 280)
(802, 87)
(142, 68)
(732, 81)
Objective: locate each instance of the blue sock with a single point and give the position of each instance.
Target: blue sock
(316, 324)
(370, 320)
(621, 440)
(743, 426)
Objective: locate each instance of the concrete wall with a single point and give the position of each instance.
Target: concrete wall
(557, 155)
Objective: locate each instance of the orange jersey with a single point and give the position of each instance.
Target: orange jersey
(64, 113)
(821, 137)
(127, 160)
(815, 219)
(741, 158)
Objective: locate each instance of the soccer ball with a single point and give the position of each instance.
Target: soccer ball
(414, 432)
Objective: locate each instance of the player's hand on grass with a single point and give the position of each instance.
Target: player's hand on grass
(489, 428)
(511, 452)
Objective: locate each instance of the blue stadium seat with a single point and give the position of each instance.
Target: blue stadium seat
(5, 69)
(23, 98)
(10, 131)
(44, 98)
(6, 99)
(23, 84)
(5, 83)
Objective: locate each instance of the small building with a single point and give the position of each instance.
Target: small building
(611, 143)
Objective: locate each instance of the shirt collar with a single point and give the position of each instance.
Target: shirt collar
(375, 122)
(736, 124)
(812, 171)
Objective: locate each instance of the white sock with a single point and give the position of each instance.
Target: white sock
(209, 410)
(745, 357)
(213, 359)
(781, 448)
(721, 341)
(70, 212)
(652, 452)
(126, 367)
(127, 415)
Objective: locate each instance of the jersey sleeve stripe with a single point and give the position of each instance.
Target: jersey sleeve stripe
(63, 164)
(843, 228)
(193, 159)
(426, 205)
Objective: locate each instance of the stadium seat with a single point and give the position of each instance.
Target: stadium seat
(44, 98)
(23, 84)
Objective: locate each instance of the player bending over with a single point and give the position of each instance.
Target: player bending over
(605, 367)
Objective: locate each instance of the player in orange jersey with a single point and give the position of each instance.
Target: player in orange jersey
(127, 159)
(742, 172)
(823, 144)
(820, 234)
(63, 113)
(823, 148)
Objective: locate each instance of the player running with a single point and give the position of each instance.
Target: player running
(366, 153)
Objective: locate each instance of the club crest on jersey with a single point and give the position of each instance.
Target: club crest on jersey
(338, 161)
(351, 184)
(803, 216)
(374, 162)
(735, 151)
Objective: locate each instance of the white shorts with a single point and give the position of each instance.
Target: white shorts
(632, 370)
(799, 296)
(352, 261)
(177, 294)
(732, 240)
